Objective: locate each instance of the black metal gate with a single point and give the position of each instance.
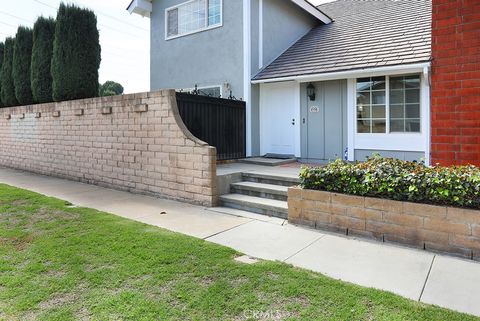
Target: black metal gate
(217, 121)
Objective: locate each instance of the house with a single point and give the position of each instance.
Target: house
(342, 80)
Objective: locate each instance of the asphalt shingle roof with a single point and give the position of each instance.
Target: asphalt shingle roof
(364, 34)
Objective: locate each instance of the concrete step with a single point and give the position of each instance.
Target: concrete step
(255, 204)
(267, 178)
(267, 161)
(275, 192)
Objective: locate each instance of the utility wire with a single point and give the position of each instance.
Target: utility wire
(114, 18)
(103, 51)
(14, 16)
(7, 24)
(105, 26)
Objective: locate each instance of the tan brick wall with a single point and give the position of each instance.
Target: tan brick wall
(134, 142)
(436, 228)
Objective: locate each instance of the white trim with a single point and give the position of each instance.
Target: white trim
(401, 141)
(378, 71)
(297, 141)
(141, 7)
(260, 34)
(425, 100)
(351, 118)
(311, 9)
(207, 27)
(247, 72)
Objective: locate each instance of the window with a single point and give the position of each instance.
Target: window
(371, 111)
(405, 104)
(397, 112)
(193, 16)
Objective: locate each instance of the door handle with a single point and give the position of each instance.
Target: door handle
(303, 120)
(293, 121)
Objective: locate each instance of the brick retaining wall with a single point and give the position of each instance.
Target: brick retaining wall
(437, 228)
(134, 142)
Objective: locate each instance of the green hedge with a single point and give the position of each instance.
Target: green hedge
(76, 54)
(22, 57)
(398, 180)
(7, 93)
(41, 78)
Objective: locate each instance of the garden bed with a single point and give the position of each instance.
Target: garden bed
(386, 199)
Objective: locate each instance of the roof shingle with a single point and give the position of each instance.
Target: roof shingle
(364, 34)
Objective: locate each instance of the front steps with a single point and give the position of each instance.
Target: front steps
(260, 193)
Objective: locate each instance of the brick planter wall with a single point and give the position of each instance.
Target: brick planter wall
(134, 142)
(437, 228)
(455, 84)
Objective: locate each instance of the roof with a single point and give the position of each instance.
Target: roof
(144, 8)
(364, 34)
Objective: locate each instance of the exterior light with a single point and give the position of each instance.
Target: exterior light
(311, 91)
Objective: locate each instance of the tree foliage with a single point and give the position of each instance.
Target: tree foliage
(2, 47)
(42, 51)
(22, 57)
(6, 79)
(111, 88)
(76, 54)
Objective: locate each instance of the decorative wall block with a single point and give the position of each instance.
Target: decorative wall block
(79, 112)
(140, 108)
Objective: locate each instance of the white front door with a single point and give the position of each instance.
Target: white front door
(277, 118)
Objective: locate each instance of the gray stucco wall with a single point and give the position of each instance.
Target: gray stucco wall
(208, 58)
(215, 57)
(283, 24)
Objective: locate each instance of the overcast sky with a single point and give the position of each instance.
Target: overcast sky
(125, 38)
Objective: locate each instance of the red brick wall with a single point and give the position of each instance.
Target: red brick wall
(455, 82)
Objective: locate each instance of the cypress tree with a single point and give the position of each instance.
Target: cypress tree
(7, 87)
(22, 59)
(42, 51)
(2, 46)
(76, 54)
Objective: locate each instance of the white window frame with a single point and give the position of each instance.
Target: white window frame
(207, 27)
(200, 88)
(387, 108)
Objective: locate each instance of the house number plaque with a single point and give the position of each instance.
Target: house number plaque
(314, 109)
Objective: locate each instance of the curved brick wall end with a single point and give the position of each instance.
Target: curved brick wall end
(134, 142)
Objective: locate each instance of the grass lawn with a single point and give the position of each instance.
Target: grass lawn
(61, 263)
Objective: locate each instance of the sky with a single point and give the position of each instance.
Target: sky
(124, 38)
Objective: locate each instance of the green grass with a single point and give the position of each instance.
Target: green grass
(61, 263)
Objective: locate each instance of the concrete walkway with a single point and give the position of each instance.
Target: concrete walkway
(445, 281)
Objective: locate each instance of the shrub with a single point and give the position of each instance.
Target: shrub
(76, 54)
(7, 87)
(110, 88)
(22, 58)
(42, 51)
(2, 47)
(398, 180)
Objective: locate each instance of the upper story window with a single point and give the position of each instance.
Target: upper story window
(388, 104)
(192, 16)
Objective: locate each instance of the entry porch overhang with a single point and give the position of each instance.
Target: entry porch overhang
(292, 91)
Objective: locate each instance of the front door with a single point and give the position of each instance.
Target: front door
(323, 121)
(277, 123)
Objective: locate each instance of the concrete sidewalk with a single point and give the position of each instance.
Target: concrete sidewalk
(441, 280)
